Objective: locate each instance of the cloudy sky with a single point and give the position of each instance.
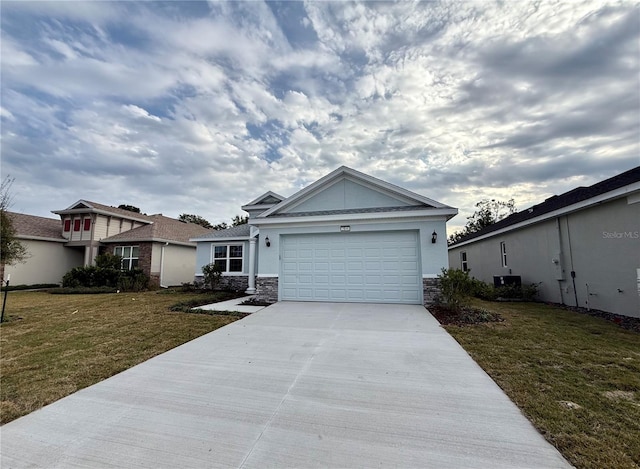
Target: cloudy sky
(200, 107)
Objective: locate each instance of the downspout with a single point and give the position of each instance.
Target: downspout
(560, 252)
(162, 264)
(573, 272)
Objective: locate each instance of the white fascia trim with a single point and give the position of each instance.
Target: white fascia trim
(267, 275)
(220, 240)
(147, 240)
(633, 198)
(255, 201)
(424, 215)
(42, 238)
(80, 211)
(356, 223)
(429, 275)
(616, 194)
(357, 176)
(394, 216)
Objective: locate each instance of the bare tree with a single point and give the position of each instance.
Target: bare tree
(12, 250)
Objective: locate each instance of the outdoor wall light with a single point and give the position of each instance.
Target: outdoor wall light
(434, 237)
(267, 242)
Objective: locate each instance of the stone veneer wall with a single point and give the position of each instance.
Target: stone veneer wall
(267, 289)
(234, 282)
(430, 290)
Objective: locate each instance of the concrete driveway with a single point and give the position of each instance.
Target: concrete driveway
(294, 385)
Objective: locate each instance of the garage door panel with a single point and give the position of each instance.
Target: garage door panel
(357, 267)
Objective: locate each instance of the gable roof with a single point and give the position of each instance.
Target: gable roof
(34, 227)
(563, 203)
(416, 201)
(235, 232)
(267, 198)
(86, 206)
(162, 229)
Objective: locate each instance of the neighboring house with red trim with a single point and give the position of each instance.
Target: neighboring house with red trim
(48, 259)
(582, 247)
(156, 244)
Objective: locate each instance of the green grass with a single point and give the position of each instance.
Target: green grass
(54, 345)
(576, 377)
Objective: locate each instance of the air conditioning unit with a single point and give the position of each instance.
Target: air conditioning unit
(506, 280)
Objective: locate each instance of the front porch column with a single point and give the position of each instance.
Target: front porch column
(252, 267)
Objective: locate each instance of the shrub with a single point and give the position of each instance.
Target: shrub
(90, 276)
(486, 291)
(482, 290)
(93, 276)
(133, 280)
(82, 290)
(188, 287)
(212, 274)
(108, 261)
(35, 286)
(456, 287)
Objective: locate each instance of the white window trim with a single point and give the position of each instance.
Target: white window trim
(128, 260)
(464, 263)
(503, 254)
(226, 273)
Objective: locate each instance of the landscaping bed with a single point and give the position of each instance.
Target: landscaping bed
(464, 316)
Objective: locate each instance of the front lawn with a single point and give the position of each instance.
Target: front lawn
(576, 377)
(54, 345)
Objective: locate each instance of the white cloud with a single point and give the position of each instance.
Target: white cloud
(176, 109)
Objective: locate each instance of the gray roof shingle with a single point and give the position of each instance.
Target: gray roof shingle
(38, 227)
(557, 202)
(161, 228)
(240, 231)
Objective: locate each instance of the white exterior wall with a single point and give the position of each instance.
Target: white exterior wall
(177, 263)
(47, 263)
(433, 257)
(601, 244)
(101, 228)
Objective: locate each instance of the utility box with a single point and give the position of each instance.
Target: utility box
(506, 280)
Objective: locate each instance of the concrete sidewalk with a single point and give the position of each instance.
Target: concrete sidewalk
(294, 385)
(233, 305)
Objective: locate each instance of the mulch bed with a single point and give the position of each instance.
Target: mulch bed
(463, 317)
(626, 322)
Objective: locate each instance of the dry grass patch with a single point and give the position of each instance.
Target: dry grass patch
(576, 377)
(54, 345)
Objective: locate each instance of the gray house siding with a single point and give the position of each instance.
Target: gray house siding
(601, 244)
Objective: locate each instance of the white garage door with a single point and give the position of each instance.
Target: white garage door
(352, 267)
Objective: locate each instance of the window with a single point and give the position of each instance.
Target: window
(129, 256)
(76, 224)
(228, 258)
(463, 261)
(67, 224)
(87, 224)
(503, 253)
